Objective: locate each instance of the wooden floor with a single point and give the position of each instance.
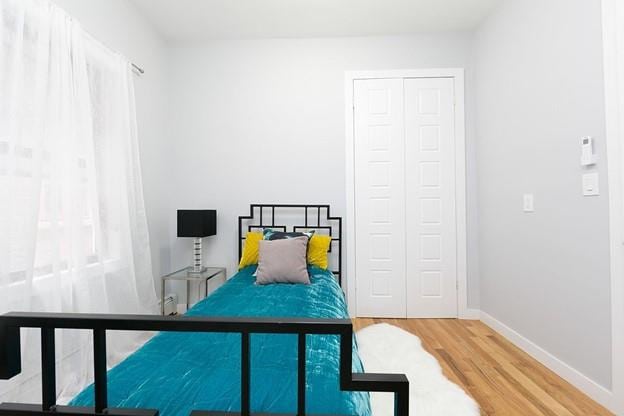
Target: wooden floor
(502, 378)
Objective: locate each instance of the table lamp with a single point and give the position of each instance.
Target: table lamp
(197, 224)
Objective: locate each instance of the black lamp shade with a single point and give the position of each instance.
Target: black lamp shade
(197, 222)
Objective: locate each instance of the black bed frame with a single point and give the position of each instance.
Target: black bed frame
(257, 220)
(10, 356)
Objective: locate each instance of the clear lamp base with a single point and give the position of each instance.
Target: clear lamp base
(197, 267)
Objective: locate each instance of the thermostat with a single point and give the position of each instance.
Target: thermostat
(588, 157)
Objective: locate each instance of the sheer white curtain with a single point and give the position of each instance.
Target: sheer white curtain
(73, 231)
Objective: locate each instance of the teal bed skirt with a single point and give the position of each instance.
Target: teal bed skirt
(179, 372)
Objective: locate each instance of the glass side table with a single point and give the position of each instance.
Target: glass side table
(183, 275)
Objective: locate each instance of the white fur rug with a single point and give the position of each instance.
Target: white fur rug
(387, 349)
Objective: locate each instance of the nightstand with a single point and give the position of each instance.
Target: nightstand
(184, 275)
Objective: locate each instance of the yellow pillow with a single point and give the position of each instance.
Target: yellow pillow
(251, 250)
(317, 250)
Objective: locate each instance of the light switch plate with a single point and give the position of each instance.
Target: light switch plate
(527, 203)
(591, 184)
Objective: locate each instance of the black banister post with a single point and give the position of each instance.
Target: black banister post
(48, 369)
(10, 351)
(346, 338)
(401, 402)
(245, 375)
(100, 379)
(301, 375)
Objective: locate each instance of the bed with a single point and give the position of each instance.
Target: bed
(202, 370)
(228, 354)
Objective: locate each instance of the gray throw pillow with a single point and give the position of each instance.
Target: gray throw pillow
(283, 261)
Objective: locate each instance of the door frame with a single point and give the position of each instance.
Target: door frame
(457, 74)
(613, 44)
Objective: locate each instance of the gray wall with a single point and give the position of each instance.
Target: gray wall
(264, 121)
(534, 86)
(539, 89)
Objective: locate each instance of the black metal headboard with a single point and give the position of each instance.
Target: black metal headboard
(317, 217)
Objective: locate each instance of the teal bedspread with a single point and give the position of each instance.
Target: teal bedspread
(178, 372)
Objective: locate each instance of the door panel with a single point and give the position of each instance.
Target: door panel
(380, 197)
(430, 198)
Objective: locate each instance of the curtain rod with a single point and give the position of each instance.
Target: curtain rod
(138, 69)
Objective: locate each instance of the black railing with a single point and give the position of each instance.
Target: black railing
(10, 359)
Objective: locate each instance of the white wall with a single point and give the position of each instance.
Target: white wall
(118, 25)
(539, 89)
(263, 121)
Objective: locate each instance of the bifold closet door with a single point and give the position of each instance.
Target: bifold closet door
(380, 197)
(405, 214)
(431, 278)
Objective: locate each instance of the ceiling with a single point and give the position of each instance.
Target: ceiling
(201, 20)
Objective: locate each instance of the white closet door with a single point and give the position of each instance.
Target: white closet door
(430, 198)
(380, 197)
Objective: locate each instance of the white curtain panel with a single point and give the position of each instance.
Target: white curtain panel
(73, 230)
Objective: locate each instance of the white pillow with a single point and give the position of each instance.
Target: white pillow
(283, 261)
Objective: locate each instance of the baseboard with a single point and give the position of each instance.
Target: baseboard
(594, 390)
(470, 314)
